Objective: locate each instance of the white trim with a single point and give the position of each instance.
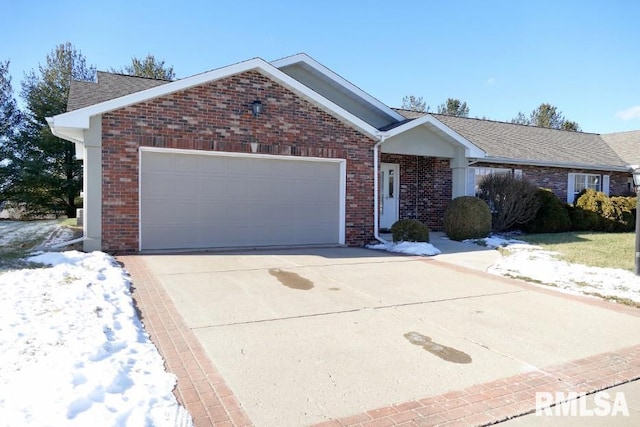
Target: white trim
(236, 154)
(79, 119)
(513, 161)
(606, 183)
(309, 61)
(470, 150)
(342, 191)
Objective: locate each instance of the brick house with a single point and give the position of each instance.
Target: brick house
(289, 153)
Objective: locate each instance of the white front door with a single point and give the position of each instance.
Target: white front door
(389, 194)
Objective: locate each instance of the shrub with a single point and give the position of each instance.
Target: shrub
(410, 230)
(625, 211)
(583, 220)
(513, 200)
(552, 216)
(467, 217)
(613, 214)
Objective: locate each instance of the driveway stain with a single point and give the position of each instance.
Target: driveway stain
(449, 354)
(291, 280)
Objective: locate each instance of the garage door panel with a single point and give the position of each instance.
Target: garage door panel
(199, 201)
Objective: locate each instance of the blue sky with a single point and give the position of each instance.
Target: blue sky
(501, 57)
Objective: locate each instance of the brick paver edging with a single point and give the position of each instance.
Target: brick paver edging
(200, 389)
(503, 399)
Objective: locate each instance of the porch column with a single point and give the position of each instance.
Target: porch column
(92, 186)
(459, 168)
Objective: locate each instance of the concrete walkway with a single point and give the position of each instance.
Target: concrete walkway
(358, 337)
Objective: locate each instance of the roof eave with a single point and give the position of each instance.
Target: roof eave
(79, 119)
(565, 165)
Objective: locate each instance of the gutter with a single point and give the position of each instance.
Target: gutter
(376, 184)
(526, 162)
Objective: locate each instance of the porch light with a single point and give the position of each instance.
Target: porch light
(257, 108)
(636, 183)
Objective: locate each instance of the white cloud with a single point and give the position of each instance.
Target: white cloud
(629, 113)
(490, 82)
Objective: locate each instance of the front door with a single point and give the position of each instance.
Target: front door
(389, 194)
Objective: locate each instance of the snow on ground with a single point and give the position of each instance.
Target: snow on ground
(73, 351)
(409, 248)
(533, 262)
(17, 231)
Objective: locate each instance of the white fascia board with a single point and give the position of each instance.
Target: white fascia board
(306, 59)
(564, 165)
(471, 151)
(79, 119)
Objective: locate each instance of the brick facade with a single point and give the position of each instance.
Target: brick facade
(425, 187)
(216, 117)
(556, 179)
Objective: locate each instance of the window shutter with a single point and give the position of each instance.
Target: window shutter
(471, 182)
(517, 173)
(571, 188)
(605, 184)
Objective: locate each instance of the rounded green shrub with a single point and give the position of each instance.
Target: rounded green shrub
(409, 230)
(552, 216)
(583, 220)
(467, 217)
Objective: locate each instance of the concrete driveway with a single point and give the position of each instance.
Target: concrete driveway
(306, 336)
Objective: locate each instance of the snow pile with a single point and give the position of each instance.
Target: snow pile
(409, 248)
(73, 352)
(497, 242)
(532, 262)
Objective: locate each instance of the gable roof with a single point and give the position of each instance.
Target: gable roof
(522, 144)
(625, 144)
(70, 125)
(108, 86)
(321, 73)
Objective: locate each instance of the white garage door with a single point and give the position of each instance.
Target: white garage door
(195, 200)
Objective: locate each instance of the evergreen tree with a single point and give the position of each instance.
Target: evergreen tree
(149, 67)
(49, 177)
(454, 107)
(546, 116)
(10, 122)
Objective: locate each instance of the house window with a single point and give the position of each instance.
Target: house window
(582, 181)
(475, 175)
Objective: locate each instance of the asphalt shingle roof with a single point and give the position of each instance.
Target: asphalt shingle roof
(531, 143)
(626, 144)
(109, 86)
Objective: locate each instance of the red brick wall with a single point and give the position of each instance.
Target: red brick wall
(556, 179)
(425, 187)
(217, 117)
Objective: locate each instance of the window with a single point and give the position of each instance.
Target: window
(582, 181)
(476, 174)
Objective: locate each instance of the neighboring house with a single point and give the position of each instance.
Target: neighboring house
(289, 153)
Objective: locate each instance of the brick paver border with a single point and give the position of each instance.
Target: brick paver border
(503, 399)
(200, 389)
(203, 392)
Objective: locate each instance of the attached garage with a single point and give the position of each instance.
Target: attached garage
(198, 199)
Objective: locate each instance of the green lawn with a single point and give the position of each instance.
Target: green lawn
(614, 250)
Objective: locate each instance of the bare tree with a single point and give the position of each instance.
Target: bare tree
(414, 103)
(513, 200)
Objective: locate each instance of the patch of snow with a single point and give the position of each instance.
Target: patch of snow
(409, 248)
(495, 241)
(530, 261)
(17, 231)
(61, 235)
(73, 351)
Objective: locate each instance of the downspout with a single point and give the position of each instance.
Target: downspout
(376, 184)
